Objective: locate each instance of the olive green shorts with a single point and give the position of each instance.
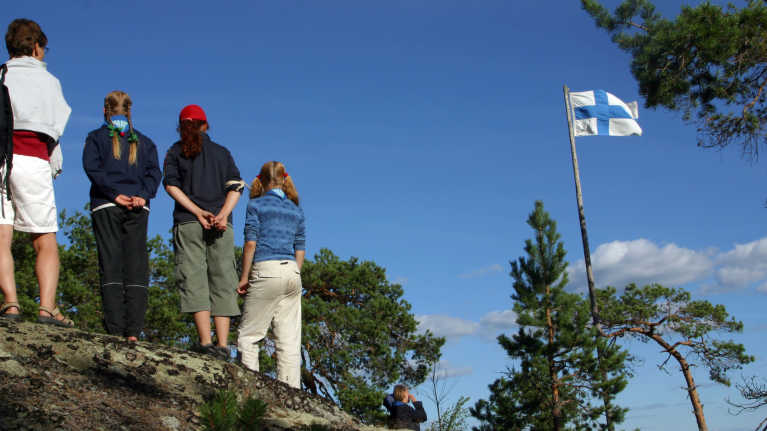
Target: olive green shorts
(205, 269)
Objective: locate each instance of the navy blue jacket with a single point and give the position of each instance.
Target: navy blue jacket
(111, 177)
(203, 179)
(403, 416)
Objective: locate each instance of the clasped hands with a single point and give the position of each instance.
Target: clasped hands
(210, 221)
(130, 202)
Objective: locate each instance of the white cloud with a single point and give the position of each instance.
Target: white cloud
(494, 323)
(641, 261)
(744, 265)
(482, 271)
(445, 370)
(488, 328)
(446, 326)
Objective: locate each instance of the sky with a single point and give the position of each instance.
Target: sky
(419, 134)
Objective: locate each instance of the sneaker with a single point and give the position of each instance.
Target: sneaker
(224, 353)
(212, 350)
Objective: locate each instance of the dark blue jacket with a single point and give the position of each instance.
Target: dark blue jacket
(203, 179)
(111, 177)
(403, 416)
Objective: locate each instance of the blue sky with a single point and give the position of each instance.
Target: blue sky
(419, 134)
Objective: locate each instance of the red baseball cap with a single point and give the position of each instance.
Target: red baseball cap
(192, 112)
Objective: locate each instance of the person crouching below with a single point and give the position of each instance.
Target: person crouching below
(404, 416)
(272, 257)
(122, 166)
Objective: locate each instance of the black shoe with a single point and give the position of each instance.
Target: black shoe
(224, 353)
(212, 350)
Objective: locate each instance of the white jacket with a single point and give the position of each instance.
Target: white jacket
(37, 101)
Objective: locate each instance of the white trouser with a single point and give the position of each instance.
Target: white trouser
(273, 298)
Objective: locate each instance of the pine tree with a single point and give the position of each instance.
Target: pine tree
(709, 63)
(682, 327)
(558, 375)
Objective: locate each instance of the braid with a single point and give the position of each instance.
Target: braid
(109, 105)
(132, 138)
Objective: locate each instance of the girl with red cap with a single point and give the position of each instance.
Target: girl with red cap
(202, 178)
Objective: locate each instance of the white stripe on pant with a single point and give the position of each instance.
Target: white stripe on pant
(273, 298)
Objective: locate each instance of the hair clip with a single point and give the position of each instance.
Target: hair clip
(258, 176)
(285, 175)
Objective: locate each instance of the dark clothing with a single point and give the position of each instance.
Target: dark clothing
(389, 402)
(406, 417)
(111, 177)
(205, 179)
(123, 267)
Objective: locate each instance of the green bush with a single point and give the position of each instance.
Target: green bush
(223, 413)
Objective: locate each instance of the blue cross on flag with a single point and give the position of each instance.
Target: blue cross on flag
(598, 112)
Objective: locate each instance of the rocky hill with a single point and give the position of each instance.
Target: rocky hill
(65, 379)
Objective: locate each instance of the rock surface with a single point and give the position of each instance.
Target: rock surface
(65, 379)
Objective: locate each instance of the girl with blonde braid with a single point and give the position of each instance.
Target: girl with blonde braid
(275, 244)
(122, 165)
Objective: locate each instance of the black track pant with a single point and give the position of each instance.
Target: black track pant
(123, 267)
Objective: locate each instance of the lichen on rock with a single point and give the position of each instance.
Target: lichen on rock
(62, 379)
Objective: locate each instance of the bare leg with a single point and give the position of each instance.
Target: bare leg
(202, 321)
(47, 268)
(222, 329)
(7, 281)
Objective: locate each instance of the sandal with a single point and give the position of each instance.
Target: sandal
(52, 320)
(4, 311)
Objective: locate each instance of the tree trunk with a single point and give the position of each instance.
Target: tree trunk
(556, 412)
(609, 425)
(692, 390)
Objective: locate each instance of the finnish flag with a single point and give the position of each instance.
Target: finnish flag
(598, 112)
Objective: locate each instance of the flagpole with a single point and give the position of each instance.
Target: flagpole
(587, 256)
(581, 216)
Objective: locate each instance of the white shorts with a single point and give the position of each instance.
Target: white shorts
(32, 207)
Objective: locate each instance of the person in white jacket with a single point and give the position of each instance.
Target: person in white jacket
(40, 115)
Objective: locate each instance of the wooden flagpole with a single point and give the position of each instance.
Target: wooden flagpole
(581, 216)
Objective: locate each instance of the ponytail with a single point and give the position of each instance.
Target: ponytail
(191, 137)
(290, 189)
(110, 105)
(256, 188)
(132, 138)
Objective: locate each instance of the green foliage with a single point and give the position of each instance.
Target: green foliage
(359, 335)
(453, 418)
(558, 373)
(224, 413)
(670, 317)
(710, 63)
